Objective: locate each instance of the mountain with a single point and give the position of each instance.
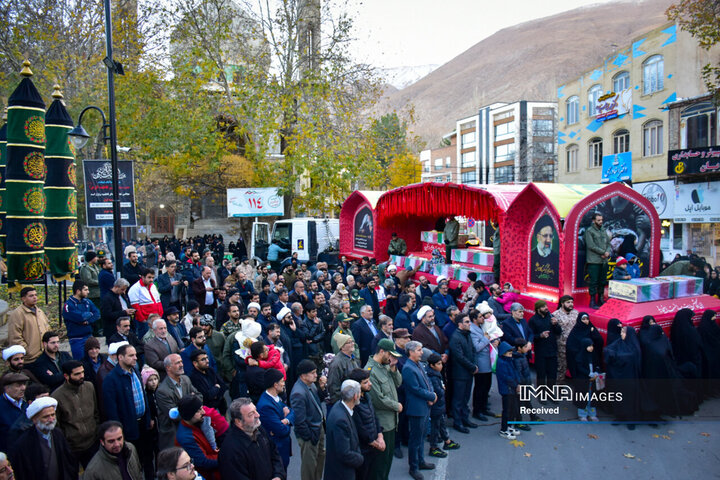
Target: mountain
(524, 62)
(401, 77)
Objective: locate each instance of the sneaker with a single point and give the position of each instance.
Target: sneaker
(583, 419)
(514, 431)
(523, 427)
(594, 419)
(436, 452)
(507, 435)
(453, 445)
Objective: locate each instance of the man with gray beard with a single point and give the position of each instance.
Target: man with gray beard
(43, 452)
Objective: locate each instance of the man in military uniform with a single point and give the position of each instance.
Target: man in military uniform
(397, 245)
(597, 245)
(385, 379)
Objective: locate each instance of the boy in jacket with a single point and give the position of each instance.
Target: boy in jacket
(522, 366)
(508, 381)
(438, 429)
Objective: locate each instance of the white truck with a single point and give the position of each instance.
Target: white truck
(314, 239)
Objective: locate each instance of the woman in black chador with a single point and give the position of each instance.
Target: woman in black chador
(613, 330)
(583, 329)
(623, 363)
(687, 348)
(710, 347)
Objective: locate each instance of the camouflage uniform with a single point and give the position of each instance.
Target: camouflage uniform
(566, 322)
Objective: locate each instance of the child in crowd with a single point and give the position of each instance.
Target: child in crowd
(633, 267)
(522, 366)
(508, 297)
(620, 272)
(438, 429)
(508, 381)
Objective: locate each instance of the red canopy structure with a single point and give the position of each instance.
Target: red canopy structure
(358, 219)
(411, 209)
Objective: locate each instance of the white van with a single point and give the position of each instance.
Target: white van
(309, 237)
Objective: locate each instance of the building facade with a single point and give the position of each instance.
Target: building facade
(440, 164)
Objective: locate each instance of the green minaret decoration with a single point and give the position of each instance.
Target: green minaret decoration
(3, 159)
(24, 181)
(60, 191)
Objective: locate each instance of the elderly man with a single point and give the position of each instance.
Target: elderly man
(247, 451)
(159, 347)
(77, 412)
(343, 363)
(175, 386)
(566, 316)
(27, 324)
(114, 305)
(429, 334)
(344, 456)
(364, 330)
(116, 459)
(516, 326)
(42, 451)
(12, 403)
(204, 290)
(442, 301)
(309, 421)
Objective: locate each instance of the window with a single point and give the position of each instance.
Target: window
(698, 126)
(653, 69)
(438, 163)
(468, 138)
(595, 152)
(573, 110)
(652, 138)
(504, 153)
(426, 166)
(505, 174)
(448, 178)
(621, 141)
(543, 149)
(594, 93)
(544, 172)
(621, 81)
(542, 128)
(468, 159)
(447, 162)
(468, 177)
(572, 158)
(504, 131)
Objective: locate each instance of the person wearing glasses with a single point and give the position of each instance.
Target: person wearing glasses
(174, 464)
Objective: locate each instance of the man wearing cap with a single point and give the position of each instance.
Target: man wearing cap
(159, 347)
(397, 245)
(343, 363)
(429, 334)
(48, 368)
(77, 413)
(14, 357)
(343, 327)
(176, 329)
(43, 451)
(276, 417)
(12, 404)
(80, 315)
(115, 304)
(385, 379)
(516, 326)
(107, 366)
(546, 330)
(191, 437)
(309, 421)
(27, 324)
(175, 386)
(450, 237)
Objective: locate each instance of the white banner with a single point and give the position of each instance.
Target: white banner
(254, 202)
(697, 203)
(613, 105)
(661, 194)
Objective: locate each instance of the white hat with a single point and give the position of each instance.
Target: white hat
(441, 278)
(484, 308)
(392, 268)
(248, 335)
(283, 313)
(38, 405)
(113, 348)
(254, 305)
(14, 350)
(423, 311)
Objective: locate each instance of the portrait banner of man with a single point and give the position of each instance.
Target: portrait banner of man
(544, 253)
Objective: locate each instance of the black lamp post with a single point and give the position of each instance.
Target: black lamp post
(80, 137)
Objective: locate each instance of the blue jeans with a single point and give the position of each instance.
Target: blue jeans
(418, 427)
(77, 347)
(141, 328)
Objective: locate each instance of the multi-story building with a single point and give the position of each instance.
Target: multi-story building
(502, 143)
(613, 123)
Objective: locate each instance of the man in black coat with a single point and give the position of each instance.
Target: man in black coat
(309, 421)
(546, 330)
(462, 354)
(115, 304)
(48, 367)
(367, 424)
(364, 330)
(207, 381)
(42, 451)
(247, 452)
(516, 326)
(344, 456)
(124, 334)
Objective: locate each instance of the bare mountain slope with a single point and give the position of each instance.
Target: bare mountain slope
(527, 61)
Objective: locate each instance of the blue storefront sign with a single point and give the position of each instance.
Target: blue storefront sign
(617, 167)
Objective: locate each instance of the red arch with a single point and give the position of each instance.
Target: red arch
(357, 200)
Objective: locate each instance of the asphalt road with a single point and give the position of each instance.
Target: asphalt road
(683, 448)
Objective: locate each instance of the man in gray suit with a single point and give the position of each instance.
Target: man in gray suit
(175, 386)
(159, 347)
(309, 421)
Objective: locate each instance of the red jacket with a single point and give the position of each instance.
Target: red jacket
(145, 300)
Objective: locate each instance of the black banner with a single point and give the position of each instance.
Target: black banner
(691, 161)
(363, 229)
(98, 193)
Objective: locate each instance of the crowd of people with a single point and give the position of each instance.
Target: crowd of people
(213, 364)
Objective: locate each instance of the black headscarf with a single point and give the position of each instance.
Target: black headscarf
(645, 327)
(623, 362)
(710, 346)
(613, 330)
(574, 341)
(686, 343)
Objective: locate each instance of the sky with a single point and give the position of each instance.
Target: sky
(398, 33)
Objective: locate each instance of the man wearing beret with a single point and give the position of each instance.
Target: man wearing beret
(12, 404)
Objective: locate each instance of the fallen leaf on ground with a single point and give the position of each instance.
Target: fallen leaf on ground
(628, 455)
(671, 432)
(528, 454)
(666, 437)
(655, 435)
(517, 443)
(705, 434)
(592, 435)
(540, 434)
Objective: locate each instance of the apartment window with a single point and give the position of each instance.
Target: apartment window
(468, 138)
(543, 149)
(542, 128)
(653, 69)
(595, 152)
(594, 93)
(700, 127)
(504, 131)
(652, 138)
(621, 141)
(505, 174)
(544, 172)
(505, 152)
(438, 163)
(468, 177)
(447, 162)
(468, 159)
(572, 158)
(573, 110)
(621, 81)
(448, 178)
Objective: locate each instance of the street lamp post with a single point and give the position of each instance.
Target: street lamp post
(80, 136)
